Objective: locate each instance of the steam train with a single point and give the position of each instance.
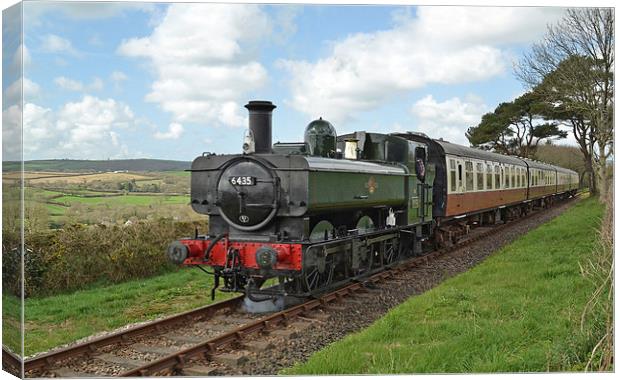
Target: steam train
(332, 209)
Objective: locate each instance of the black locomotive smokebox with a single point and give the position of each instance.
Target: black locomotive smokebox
(247, 193)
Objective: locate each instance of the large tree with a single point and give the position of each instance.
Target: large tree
(568, 97)
(516, 127)
(573, 68)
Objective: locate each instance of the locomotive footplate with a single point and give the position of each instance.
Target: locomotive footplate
(265, 270)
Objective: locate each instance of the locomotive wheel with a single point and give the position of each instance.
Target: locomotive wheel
(364, 261)
(391, 251)
(318, 271)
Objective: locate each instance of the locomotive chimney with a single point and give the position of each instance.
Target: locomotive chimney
(260, 124)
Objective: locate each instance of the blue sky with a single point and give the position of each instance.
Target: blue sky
(131, 80)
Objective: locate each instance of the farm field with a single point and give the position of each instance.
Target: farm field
(103, 197)
(519, 311)
(35, 178)
(56, 320)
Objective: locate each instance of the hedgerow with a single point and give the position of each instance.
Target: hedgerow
(77, 256)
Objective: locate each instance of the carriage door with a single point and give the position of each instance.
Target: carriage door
(460, 176)
(456, 180)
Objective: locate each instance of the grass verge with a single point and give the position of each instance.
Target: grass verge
(56, 320)
(519, 311)
(11, 323)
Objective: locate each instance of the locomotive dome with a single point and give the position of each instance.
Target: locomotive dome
(320, 135)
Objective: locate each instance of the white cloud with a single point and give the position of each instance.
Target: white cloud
(91, 125)
(52, 43)
(38, 128)
(69, 84)
(21, 57)
(448, 119)
(12, 95)
(209, 66)
(85, 129)
(118, 76)
(75, 85)
(174, 132)
(11, 133)
(96, 84)
(442, 45)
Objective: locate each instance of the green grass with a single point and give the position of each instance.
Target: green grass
(56, 320)
(11, 322)
(180, 173)
(135, 200)
(518, 311)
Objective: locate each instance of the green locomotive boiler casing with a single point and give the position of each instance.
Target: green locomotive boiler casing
(343, 184)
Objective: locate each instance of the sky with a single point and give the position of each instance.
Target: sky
(169, 81)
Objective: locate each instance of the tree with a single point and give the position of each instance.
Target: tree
(516, 127)
(566, 94)
(573, 68)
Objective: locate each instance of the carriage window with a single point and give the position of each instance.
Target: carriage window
(513, 182)
(523, 177)
(489, 177)
(452, 176)
(469, 176)
(498, 181)
(479, 176)
(507, 178)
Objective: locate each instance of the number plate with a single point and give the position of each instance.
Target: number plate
(242, 181)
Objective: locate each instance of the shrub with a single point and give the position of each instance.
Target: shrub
(78, 256)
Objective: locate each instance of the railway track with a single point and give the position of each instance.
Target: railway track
(217, 333)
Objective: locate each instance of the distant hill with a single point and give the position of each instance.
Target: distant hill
(137, 165)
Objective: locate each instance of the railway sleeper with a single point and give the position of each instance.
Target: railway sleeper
(70, 373)
(200, 370)
(231, 359)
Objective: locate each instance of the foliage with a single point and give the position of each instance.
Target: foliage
(519, 311)
(572, 68)
(516, 127)
(77, 256)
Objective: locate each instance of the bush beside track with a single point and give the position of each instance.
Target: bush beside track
(78, 256)
(518, 311)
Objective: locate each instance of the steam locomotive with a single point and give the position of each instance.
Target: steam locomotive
(298, 219)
